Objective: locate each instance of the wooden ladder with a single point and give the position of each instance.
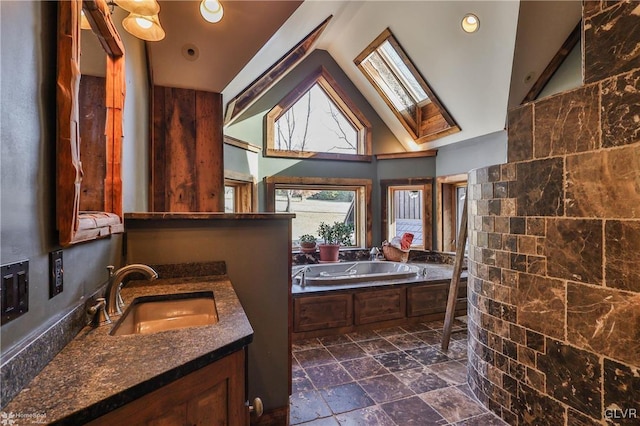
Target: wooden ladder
(455, 279)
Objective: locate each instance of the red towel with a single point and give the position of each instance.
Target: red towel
(405, 242)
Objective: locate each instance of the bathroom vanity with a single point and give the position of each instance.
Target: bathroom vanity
(188, 375)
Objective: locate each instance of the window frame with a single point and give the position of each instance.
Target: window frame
(347, 107)
(362, 187)
(426, 185)
(246, 192)
(447, 211)
(432, 120)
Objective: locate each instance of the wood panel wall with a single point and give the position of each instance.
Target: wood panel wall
(187, 167)
(93, 119)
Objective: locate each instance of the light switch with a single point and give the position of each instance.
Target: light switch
(14, 294)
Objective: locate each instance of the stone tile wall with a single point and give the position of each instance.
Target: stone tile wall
(554, 261)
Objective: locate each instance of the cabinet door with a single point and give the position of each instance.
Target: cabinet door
(429, 299)
(213, 395)
(380, 305)
(321, 312)
(171, 416)
(432, 299)
(209, 407)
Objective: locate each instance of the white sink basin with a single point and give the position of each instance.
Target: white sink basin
(151, 314)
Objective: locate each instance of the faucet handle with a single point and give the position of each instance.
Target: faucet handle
(98, 313)
(120, 302)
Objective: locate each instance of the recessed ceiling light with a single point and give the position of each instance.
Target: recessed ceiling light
(470, 23)
(211, 10)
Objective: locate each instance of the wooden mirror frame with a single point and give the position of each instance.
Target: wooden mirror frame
(73, 225)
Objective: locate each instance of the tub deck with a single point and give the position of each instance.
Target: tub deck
(325, 310)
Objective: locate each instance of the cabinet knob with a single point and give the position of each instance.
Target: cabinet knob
(257, 407)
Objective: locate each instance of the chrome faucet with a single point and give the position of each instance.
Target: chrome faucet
(112, 294)
(374, 254)
(302, 273)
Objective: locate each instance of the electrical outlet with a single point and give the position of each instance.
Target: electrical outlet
(55, 273)
(14, 292)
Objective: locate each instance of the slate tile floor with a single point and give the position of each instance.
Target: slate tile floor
(393, 376)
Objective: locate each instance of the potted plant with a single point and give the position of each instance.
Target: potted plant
(333, 236)
(308, 243)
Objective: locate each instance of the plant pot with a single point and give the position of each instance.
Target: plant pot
(329, 252)
(308, 247)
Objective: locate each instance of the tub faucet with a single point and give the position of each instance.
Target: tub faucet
(112, 294)
(301, 272)
(374, 253)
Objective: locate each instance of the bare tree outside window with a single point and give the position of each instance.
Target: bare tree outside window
(318, 120)
(310, 126)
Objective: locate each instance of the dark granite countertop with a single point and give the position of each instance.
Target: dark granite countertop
(97, 373)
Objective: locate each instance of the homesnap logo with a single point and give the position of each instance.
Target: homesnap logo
(7, 418)
(11, 418)
(621, 413)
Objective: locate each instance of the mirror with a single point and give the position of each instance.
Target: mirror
(89, 193)
(92, 121)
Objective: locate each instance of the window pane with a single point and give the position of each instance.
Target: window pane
(402, 71)
(398, 81)
(229, 199)
(378, 69)
(314, 206)
(315, 124)
(407, 215)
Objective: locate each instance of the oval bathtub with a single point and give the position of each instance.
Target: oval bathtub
(328, 274)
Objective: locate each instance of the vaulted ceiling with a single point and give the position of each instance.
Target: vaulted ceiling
(470, 73)
(220, 50)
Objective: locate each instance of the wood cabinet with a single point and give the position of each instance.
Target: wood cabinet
(212, 395)
(427, 300)
(322, 312)
(359, 309)
(380, 305)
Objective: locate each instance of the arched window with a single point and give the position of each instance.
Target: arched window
(318, 120)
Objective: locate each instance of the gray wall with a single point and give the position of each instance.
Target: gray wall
(472, 154)
(250, 127)
(27, 171)
(568, 76)
(240, 160)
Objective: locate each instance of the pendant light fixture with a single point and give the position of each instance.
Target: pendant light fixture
(142, 21)
(144, 27)
(211, 10)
